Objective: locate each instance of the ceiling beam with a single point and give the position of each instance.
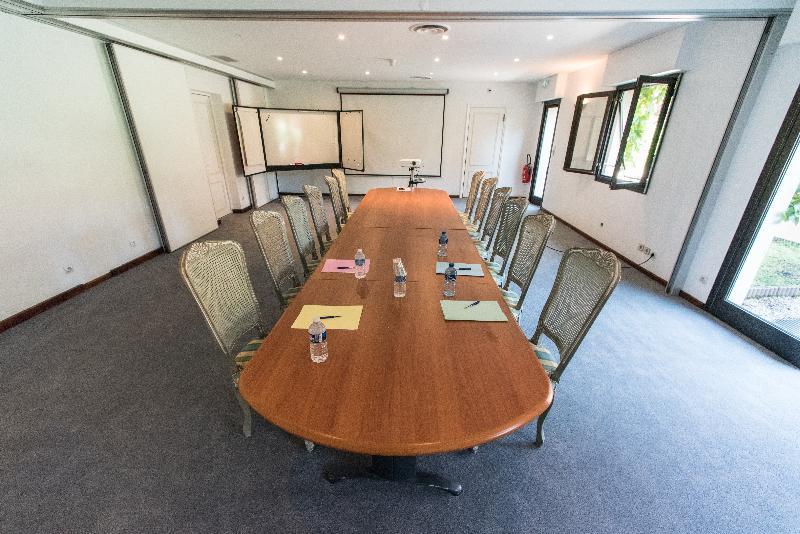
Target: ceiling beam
(394, 16)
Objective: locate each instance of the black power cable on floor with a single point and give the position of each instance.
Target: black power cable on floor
(652, 255)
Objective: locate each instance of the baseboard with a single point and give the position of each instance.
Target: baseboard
(692, 300)
(242, 210)
(603, 245)
(36, 309)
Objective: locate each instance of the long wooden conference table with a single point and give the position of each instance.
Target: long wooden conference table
(406, 383)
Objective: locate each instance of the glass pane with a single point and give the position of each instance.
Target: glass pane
(588, 134)
(618, 121)
(643, 132)
(768, 283)
(545, 151)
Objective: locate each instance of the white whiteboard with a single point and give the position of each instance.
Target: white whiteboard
(398, 127)
(250, 140)
(295, 138)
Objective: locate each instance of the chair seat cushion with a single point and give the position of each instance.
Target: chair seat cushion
(498, 279)
(494, 267)
(511, 298)
(547, 360)
(247, 352)
(472, 227)
(291, 293)
(313, 264)
(515, 312)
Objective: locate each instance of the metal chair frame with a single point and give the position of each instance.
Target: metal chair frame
(588, 274)
(296, 211)
(339, 215)
(270, 231)
(341, 181)
(482, 205)
(510, 218)
(492, 218)
(474, 186)
(318, 216)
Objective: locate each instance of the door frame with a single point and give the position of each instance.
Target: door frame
(768, 335)
(218, 143)
(465, 154)
(553, 103)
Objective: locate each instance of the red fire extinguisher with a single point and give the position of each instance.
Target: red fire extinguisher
(527, 170)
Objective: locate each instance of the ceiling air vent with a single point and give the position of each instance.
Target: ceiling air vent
(226, 59)
(420, 77)
(435, 29)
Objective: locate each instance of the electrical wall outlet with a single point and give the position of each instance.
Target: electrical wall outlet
(704, 280)
(645, 250)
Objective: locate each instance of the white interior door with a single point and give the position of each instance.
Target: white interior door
(484, 142)
(212, 157)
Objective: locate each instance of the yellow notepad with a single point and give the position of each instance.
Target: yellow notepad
(349, 320)
(487, 310)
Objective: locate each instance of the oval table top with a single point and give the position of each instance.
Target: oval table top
(406, 382)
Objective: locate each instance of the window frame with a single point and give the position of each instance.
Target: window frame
(671, 81)
(576, 119)
(606, 137)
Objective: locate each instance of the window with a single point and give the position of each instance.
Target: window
(588, 125)
(633, 125)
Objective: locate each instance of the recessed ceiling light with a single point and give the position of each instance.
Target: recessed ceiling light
(304, 71)
(430, 73)
(436, 59)
(496, 73)
(366, 72)
(279, 58)
(445, 37)
(550, 37)
(341, 37)
(516, 60)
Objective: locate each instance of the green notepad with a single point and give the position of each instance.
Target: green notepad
(487, 310)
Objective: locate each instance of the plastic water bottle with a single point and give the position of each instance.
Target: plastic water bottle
(450, 280)
(399, 278)
(318, 336)
(442, 245)
(361, 264)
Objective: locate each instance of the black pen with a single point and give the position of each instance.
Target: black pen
(330, 316)
(345, 267)
(465, 268)
(473, 304)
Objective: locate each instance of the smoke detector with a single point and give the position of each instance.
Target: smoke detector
(433, 29)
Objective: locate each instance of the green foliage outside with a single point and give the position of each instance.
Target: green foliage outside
(792, 213)
(781, 266)
(645, 117)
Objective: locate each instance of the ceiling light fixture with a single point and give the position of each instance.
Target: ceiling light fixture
(279, 58)
(550, 37)
(436, 59)
(496, 73)
(304, 71)
(341, 37)
(445, 37)
(435, 29)
(366, 72)
(516, 60)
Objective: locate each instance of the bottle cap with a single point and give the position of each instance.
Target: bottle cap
(359, 250)
(451, 264)
(316, 320)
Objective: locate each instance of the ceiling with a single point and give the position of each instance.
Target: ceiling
(508, 43)
(474, 51)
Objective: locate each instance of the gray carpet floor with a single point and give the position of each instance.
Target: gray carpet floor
(115, 418)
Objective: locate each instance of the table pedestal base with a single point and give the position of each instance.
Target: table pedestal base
(396, 469)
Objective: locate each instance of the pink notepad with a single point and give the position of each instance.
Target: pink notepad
(332, 266)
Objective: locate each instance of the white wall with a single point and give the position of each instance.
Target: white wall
(522, 115)
(161, 106)
(715, 57)
(70, 189)
(749, 156)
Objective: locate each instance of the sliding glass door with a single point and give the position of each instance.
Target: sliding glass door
(544, 150)
(758, 289)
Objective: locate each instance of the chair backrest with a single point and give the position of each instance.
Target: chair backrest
(585, 280)
(301, 230)
(474, 185)
(485, 194)
(336, 200)
(318, 215)
(510, 217)
(216, 274)
(341, 180)
(534, 233)
(492, 218)
(271, 235)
